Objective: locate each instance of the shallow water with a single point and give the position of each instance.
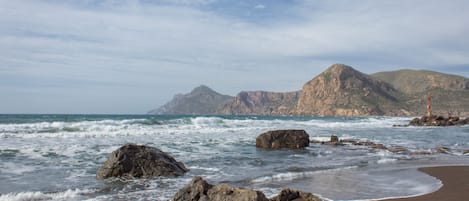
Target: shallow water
(55, 157)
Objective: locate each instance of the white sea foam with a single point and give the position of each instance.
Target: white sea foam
(59, 196)
(290, 176)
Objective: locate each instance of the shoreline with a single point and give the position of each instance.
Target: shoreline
(455, 180)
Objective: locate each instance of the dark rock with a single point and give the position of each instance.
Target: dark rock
(224, 192)
(438, 120)
(366, 143)
(292, 139)
(334, 138)
(139, 161)
(421, 153)
(196, 190)
(348, 141)
(199, 190)
(415, 122)
(333, 143)
(378, 146)
(293, 195)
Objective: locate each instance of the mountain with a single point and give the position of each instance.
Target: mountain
(449, 92)
(261, 103)
(338, 91)
(344, 91)
(201, 100)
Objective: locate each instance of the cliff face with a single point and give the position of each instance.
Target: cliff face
(343, 91)
(201, 100)
(261, 103)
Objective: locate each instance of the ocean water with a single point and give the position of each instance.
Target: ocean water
(55, 157)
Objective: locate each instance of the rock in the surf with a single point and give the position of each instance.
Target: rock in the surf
(294, 195)
(199, 190)
(140, 161)
(277, 139)
(438, 120)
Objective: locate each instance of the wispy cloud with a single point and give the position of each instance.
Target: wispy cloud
(142, 52)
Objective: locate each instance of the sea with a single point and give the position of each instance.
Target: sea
(55, 157)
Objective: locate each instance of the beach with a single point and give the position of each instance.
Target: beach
(455, 187)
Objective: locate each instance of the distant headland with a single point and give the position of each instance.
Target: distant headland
(338, 91)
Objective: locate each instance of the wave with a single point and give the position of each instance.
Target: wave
(26, 196)
(290, 176)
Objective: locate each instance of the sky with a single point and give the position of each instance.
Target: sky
(131, 56)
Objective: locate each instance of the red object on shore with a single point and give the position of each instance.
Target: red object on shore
(429, 105)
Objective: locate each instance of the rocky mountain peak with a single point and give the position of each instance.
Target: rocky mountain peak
(203, 89)
(201, 100)
(343, 91)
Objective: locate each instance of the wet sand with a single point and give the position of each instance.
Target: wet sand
(455, 187)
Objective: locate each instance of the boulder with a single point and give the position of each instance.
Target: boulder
(334, 138)
(196, 190)
(378, 146)
(293, 195)
(140, 161)
(199, 190)
(292, 139)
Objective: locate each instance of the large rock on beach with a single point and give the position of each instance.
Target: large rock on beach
(140, 161)
(277, 139)
(199, 190)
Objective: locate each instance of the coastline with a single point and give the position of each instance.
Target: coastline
(455, 187)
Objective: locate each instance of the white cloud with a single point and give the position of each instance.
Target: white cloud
(259, 6)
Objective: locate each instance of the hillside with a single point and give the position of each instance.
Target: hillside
(449, 92)
(417, 81)
(201, 100)
(344, 91)
(261, 103)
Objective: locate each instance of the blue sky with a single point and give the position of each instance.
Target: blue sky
(130, 56)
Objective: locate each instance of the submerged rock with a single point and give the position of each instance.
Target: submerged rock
(140, 161)
(199, 190)
(292, 139)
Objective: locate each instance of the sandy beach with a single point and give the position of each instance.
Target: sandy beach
(455, 184)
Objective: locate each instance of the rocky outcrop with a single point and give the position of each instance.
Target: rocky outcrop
(438, 120)
(199, 190)
(139, 161)
(201, 100)
(261, 103)
(292, 139)
(294, 195)
(344, 91)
